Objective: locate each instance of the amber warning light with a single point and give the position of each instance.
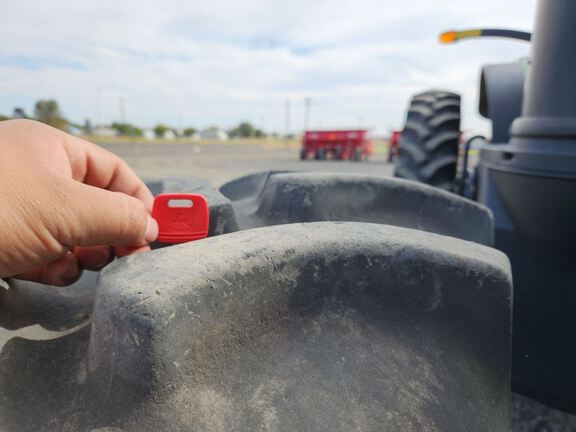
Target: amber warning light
(452, 36)
(448, 37)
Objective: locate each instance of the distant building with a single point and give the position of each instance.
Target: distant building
(169, 135)
(75, 130)
(148, 134)
(211, 134)
(104, 131)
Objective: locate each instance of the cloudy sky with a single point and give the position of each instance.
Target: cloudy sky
(218, 62)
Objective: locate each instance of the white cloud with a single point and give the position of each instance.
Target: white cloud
(219, 62)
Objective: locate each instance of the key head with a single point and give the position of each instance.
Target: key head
(181, 217)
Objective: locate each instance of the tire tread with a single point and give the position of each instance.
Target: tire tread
(428, 149)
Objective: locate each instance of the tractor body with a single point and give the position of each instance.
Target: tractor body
(526, 175)
(529, 183)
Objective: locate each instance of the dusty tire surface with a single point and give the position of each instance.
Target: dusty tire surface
(428, 149)
(283, 328)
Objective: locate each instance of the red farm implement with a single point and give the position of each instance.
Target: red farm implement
(393, 145)
(336, 144)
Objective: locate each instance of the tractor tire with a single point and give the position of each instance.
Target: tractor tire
(428, 149)
(157, 341)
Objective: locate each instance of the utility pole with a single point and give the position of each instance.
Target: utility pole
(307, 103)
(287, 122)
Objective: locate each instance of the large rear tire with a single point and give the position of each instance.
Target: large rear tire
(428, 149)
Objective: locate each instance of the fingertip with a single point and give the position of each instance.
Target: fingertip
(93, 224)
(93, 257)
(151, 229)
(63, 272)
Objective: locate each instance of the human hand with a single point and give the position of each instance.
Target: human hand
(66, 205)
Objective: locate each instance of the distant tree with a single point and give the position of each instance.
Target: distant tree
(47, 111)
(160, 130)
(126, 129)
(19, 113)
(3, 117)
(188, 132)
(246, 130)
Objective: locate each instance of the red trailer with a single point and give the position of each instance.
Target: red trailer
(336, 144)
(393, 145)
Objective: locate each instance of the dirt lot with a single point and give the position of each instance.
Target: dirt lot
(220, 162)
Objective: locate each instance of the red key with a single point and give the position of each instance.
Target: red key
(181, 217)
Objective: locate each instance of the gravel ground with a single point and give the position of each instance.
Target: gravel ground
(219, 163)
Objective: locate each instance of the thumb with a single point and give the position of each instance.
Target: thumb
(100, 217)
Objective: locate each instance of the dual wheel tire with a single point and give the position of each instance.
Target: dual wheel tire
(428, 149)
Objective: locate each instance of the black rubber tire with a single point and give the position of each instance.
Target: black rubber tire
(428, 149)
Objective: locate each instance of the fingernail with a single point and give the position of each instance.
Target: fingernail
(100, 259)
(151, 229)
(72, 272)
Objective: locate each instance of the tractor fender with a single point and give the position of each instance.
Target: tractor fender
(501, 94)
